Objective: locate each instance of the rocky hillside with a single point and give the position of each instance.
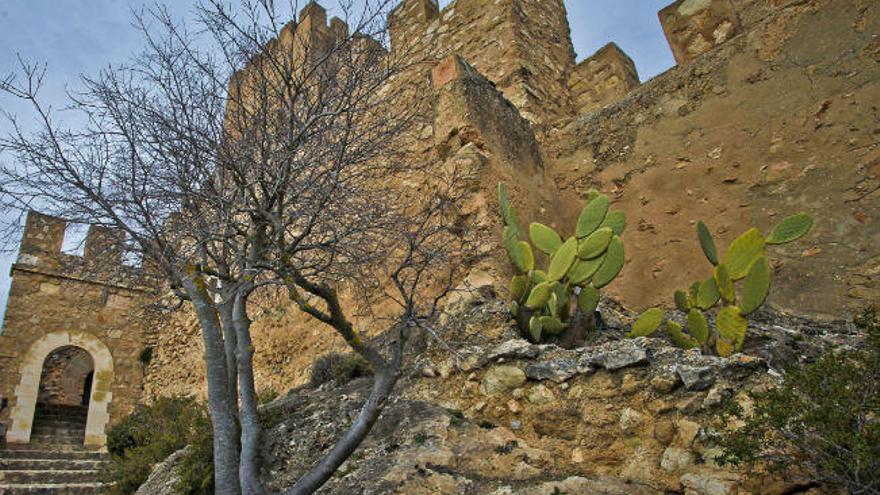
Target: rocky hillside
(494, 414)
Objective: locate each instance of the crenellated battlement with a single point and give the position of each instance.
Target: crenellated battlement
(102, 260)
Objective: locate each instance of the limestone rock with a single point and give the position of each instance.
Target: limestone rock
(558, 370)
(630, 420)
(540, 395)
(616, 355)
(697, 377)
(675, 459)
(502, 379)
(709, 484)
(163, 478)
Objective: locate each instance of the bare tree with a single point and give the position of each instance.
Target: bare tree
(249, 154)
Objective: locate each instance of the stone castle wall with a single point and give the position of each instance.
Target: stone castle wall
(779, 119)
(60, 300)
(768, 113)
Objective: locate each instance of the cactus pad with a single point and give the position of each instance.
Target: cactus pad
(708, 294)
(707, 243)
(521, 256)
(682, 302)
(647, 323)
(544, 238)
(742, 252)
(535, 328)
(582, 270)
(678, 338)
(698, 327)
(731, 326)
(724, 283)
(551, 325)
(562, 260)
(612, 264)
(539, 276)
(508, 213)
(592, 216)
(595, 244)
(588, 299)
(756, 286)
(790, 229)
(616, 221)
(518, 286)
(539, 296)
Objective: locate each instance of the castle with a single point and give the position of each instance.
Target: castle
(770, 111)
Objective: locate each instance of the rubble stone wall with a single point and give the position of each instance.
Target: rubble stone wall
(60, 298)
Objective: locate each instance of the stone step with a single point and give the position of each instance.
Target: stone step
(50, 489)
(51, 429)
(60, 424)
(46, 464)
(63, 412)
(51, 418)
(50, 476)
(26, 451)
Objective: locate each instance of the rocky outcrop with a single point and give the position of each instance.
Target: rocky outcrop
(507, 417)
(163, 478)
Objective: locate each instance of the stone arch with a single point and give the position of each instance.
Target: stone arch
(65, 379)
(31, 368)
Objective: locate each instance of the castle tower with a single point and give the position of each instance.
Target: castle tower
(523, 46)
(71, 338)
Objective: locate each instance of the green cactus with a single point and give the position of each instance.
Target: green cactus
(678, 337)
(595, 244)
(588, 299)
(707, 243)
(647, 323)
(519, 284)
(544, 238)
(539, 296)
(562, 260)
(744, 260)
(616, 221)
(682, 302)
(582, 270)
(756, 286)
(592, 216)
(542, 301)
(724, 283)
(732, 329)
(612, 264)
(708, 294)
(742, 252)
(698, 327)
(791, 229)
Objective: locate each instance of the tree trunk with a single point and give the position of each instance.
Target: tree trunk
(249, 469)
(226, 458)
(383, 384)
(230, 347)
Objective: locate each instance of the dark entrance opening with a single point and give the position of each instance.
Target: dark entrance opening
(63, 398)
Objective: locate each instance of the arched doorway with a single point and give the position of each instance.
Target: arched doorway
(88, 360)
(63, 397)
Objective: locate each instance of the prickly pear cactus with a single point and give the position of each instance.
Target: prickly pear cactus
(744, 261)
(544, 301)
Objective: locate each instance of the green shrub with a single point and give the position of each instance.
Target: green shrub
(339, 368)
(824, 419)
(153, 432)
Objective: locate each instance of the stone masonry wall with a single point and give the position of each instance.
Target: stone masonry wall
(523, 46)
(601, 79)
(780, 119)
(50, 295)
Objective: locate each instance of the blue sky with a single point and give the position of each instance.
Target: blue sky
(76, 37)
